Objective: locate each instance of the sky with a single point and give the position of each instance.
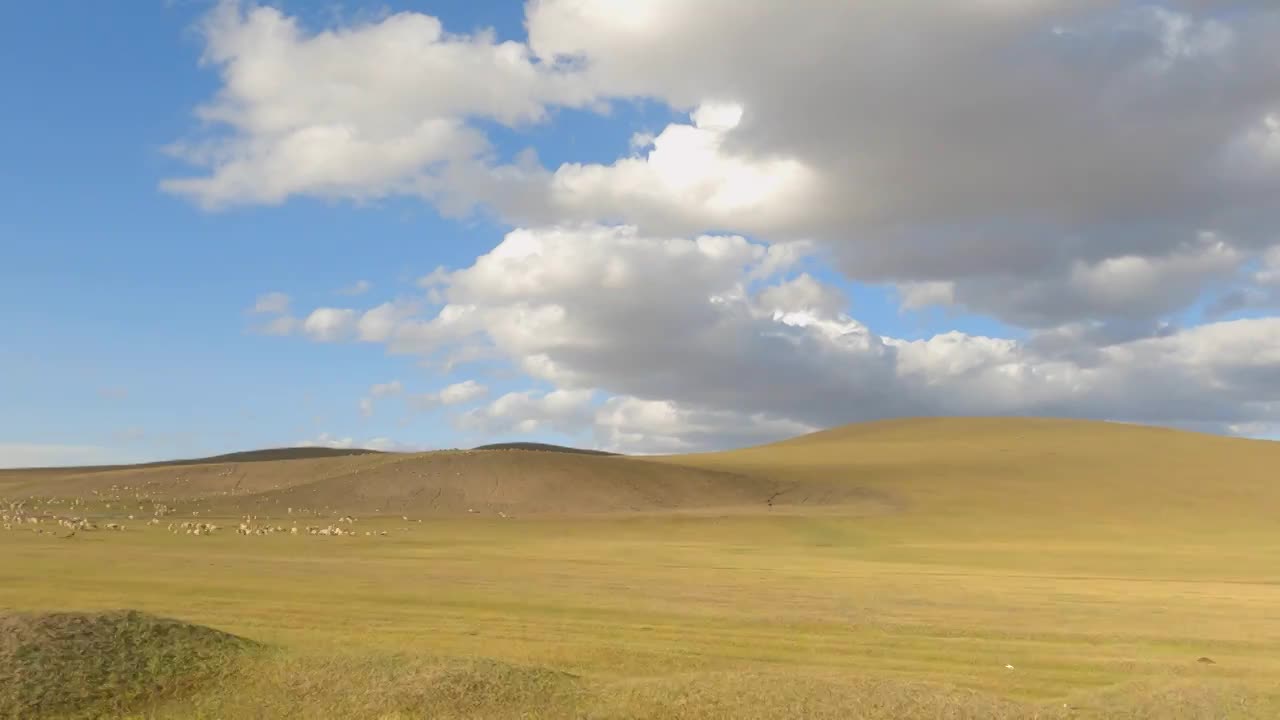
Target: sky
(646, 226)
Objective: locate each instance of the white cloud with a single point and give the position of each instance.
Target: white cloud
(366, 407)
(330, 324)
(565, 411)
(359, 287)
(632, 425)
(802, 294)
(462, 392)
(455, 394)
(998, 152)
(686, 344)
(355, 112)
(1087, 170)
(690, 181)
(272, 303)
(375, 325)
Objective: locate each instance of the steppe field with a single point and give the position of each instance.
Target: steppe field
(941, 568)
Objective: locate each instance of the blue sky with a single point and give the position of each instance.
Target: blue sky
(126, 302)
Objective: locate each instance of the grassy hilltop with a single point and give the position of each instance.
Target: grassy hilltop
(938, 568)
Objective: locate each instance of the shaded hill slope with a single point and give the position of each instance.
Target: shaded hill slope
(181, 480)
(545, 447)
(523, 482)
(270, 454)
(449, 482)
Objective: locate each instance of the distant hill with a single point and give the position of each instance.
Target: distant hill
(981, 473)
(242, 456)
(446, 482)
(271, 454)
(542, 447)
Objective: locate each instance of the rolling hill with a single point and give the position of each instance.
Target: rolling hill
(959, 567)
(1012, 470)
(242, 456)
(948, 469)
(545, 447)
(451, 482)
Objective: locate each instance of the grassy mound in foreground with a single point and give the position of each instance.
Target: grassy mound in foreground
(411, 687)
(95, 664)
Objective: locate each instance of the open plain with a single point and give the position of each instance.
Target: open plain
(957, 568)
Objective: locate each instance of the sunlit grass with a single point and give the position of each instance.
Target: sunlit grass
(1100, 583)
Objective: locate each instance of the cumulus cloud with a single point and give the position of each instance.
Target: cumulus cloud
(689, 180)
(330, 324)
(462, 392)
(660, 344)
(632, 425)
(1086, 171)
(1053, 146)
(455, 394)
(564, 411)
(989, 145)
(357, 112)
(802, 294)
(998, 102)
(375, 325)
(1117, 288)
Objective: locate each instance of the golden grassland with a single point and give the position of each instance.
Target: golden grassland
(887, 570)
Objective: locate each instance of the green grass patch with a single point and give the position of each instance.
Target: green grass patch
(103, 664)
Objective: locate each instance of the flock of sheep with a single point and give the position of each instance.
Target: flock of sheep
(122, 503)
(18, 515)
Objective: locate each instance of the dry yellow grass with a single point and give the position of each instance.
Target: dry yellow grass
(914, 561)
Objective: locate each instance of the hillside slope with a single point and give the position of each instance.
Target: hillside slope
(1013, 469)
(978, 472)
(522, 482)
(450, 482)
